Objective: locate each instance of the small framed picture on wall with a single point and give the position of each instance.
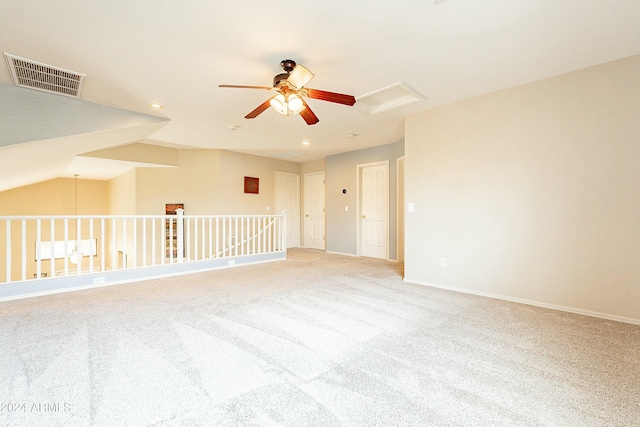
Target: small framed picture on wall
(251, 185)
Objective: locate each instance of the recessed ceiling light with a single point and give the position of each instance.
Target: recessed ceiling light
(305, 143)
(352, 135)
(233, 127)
(155, 105)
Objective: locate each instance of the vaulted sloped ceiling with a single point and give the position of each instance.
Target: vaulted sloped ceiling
(43, 133)
(28, 115)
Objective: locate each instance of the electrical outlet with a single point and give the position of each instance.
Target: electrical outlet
(98, 280)
(232, 262)
(443, 262)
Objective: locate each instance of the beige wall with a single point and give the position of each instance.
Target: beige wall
(234, 167)
(209, 182)
(313, 167)
(206, 181)
(121, 194)
(55, 197)
(532, 193)
(195, 183)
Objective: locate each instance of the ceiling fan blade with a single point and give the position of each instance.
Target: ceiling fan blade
(300, 76)
(323, 95)
(308, 115)
(259, 110)
(247, 87)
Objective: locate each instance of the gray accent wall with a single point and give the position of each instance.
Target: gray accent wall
(342, 174)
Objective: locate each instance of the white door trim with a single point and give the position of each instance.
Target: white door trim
(400, 207)
(359, 169)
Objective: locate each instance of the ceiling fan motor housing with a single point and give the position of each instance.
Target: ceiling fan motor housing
(280, 79)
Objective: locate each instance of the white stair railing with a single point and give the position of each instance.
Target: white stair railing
(53, 246)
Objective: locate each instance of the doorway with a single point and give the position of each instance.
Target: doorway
(373, 192)
(287, 198)
(314, 210)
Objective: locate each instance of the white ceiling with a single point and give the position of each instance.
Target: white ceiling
(176, 53)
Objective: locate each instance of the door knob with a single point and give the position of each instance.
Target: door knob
(307, 215)
(364, 216)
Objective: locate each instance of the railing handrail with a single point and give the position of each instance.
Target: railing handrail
(20, 217)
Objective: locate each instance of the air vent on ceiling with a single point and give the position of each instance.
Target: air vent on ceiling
(388, 98)
(35, 75)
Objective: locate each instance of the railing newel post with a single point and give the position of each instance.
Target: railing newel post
(284, 231)
(180, 231)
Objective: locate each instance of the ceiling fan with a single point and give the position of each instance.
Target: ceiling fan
(291, 92)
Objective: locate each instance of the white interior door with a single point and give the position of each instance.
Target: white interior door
(314, 210)
(287, 198)
(374, 209)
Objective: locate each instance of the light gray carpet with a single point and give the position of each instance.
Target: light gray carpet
(317, 340)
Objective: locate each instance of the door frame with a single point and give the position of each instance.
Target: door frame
(400, 215)
(359, 169)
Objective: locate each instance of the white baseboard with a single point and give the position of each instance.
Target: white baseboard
(340, 253)
(356, 255)
(597, 314)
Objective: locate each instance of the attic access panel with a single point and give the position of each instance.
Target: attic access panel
(388, 98)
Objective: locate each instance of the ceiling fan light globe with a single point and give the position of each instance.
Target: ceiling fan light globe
(295, 104)
(298, 110)
(279, 104)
